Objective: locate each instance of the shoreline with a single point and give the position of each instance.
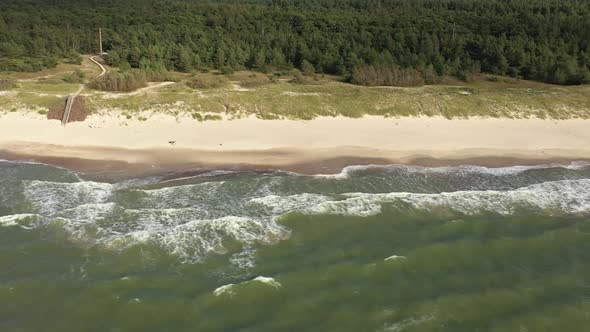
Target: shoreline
(111, 145)
(100, 162)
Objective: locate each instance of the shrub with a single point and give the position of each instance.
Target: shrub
(75, 77)
(307, 68)
(73, 59)
(429, 75)
(197, 116)
(254, 80)
(212, 117)
(465, 76)
(207, 82)
(226, 70)
(160, 76)
(120, 81)
(386, 75)
(129, 80)
(297, 77)
(6, 83)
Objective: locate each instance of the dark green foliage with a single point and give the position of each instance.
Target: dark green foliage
(26, 64)
(545, 40)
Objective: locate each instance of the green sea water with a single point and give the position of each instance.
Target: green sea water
(390, 248)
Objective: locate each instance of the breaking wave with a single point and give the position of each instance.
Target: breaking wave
(349, 171)
(230, 289)
(21, 220)
(566, 197)
(196, 220)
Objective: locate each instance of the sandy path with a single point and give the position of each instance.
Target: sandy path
(137, 92)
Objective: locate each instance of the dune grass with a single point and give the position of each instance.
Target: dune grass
(275, 97)
(54, 87)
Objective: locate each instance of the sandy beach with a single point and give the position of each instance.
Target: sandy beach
(322, 145)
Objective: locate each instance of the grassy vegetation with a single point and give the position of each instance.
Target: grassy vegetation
(284, 96)
(6, 83)
(35, 100)
(53, 87)
(205, 81)
(297, 101)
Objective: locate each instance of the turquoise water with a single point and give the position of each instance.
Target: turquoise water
(390, 248)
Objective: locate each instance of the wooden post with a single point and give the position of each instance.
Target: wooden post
(100, 41)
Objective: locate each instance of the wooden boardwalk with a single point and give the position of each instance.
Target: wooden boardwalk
(104, 70)
(72, 98)
(69, 103)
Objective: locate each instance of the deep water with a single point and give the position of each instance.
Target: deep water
(389, 248)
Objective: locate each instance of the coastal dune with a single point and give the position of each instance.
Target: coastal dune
(322, 145)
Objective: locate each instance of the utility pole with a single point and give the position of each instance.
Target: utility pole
(100, 41)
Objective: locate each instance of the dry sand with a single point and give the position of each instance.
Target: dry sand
(317, 146)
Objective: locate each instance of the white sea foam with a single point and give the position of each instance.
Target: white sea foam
(230, 289)
(225, 289)
(51, 197)
(206, 174)
(402, 325)
(566, 196)
(89, 212)
(245, 259)
(196, 220)
(16, 219)
(353, 206)
(178, 196)
(134, 183)
(347, 171)
(316, 204)
(282, 204)
(195, 240)
(267, 280)
(394, 257)
(85, 219)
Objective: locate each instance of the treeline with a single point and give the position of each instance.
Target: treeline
(544, 40)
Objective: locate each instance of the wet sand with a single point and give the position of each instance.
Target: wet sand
(117, 163)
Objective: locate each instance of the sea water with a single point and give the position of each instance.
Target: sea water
(374, 248)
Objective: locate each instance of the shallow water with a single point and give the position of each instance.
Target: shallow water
(388, 248)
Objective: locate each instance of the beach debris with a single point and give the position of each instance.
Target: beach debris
(172, 142)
